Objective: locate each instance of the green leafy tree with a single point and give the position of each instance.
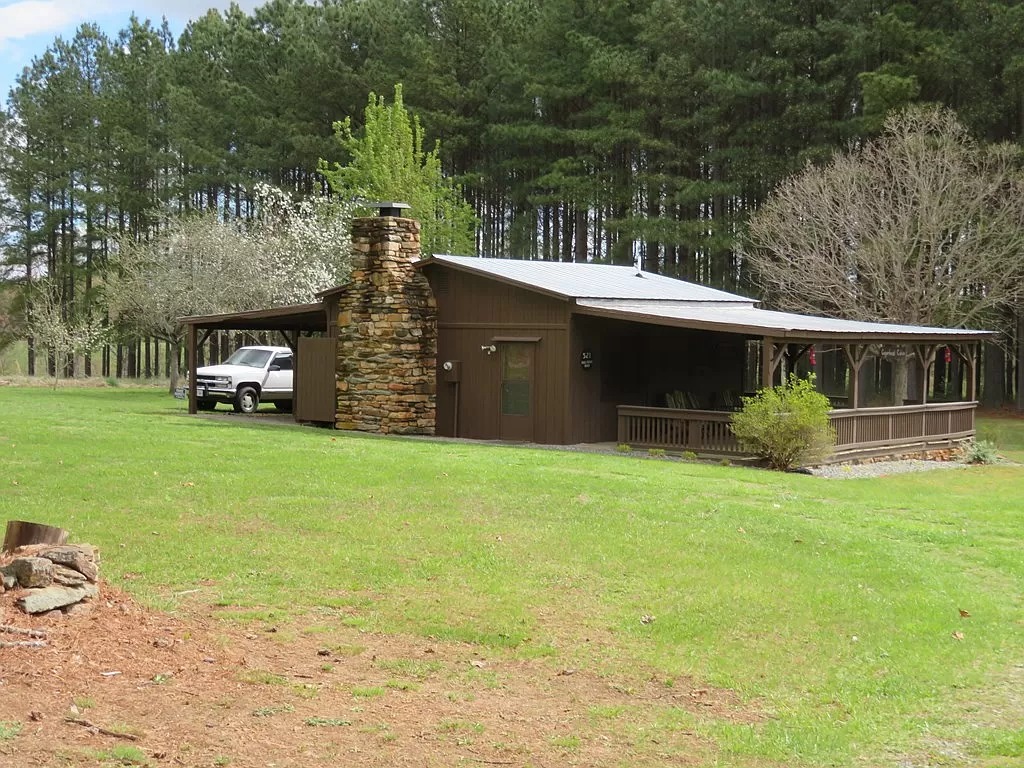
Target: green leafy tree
(388, 162)
(787, 425)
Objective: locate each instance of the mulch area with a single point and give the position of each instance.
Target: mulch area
(197, 690)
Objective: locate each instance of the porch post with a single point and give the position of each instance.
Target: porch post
(767, 362)
(926, 357)
(971, 358)
(855, 355)
(193, 363)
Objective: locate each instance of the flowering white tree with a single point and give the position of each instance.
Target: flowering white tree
(305, 246)
(66, 337)
(201, 265)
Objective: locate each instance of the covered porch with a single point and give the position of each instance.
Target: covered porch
(848, 358)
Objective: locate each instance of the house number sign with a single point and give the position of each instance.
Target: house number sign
(586, 359)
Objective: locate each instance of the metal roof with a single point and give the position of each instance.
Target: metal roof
(571, 280)
(763, 322)
(601, 289)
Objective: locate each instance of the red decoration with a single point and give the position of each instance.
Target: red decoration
(948, 355)
(812, 357)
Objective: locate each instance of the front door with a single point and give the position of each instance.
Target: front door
(516, 406)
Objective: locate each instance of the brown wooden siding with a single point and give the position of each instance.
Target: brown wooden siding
(315, 388)
(463, 298)
(592, 420)
(331, 308)
(474, 313)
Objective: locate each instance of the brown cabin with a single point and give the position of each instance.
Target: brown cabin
(528, 361)
(566, 353)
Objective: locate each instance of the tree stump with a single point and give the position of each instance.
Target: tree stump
(19, 533)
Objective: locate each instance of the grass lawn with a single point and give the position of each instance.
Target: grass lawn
(830, 606)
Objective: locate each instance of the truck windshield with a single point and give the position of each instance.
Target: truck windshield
(254, 358)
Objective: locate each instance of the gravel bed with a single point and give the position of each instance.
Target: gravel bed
(881, 468)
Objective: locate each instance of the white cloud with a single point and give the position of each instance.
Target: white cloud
(183, 10)
(34, 17)
(28, 18)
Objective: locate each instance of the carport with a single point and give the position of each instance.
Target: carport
(293, 322)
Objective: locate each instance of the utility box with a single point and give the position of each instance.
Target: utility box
(451, 370)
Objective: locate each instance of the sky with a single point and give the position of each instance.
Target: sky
(28, 27)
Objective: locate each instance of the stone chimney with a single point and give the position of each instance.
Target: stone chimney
(387, 331)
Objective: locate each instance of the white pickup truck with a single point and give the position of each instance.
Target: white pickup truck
(249, 376)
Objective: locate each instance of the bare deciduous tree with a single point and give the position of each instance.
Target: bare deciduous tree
(921, 226)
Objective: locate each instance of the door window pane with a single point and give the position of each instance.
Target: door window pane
(515, 398)
(515, 380)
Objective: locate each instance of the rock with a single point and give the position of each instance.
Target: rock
(76, 610)
(67, 576)
(33, 571)
(8, 577)
(49, 598)
(73, 557)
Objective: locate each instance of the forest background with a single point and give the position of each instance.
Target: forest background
(578, 130)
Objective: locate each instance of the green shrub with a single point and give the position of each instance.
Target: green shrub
(786, 425)
(978, 452)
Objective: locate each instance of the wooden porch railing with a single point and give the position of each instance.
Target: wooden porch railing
(681, 430)
(897, 426)
(863, 429)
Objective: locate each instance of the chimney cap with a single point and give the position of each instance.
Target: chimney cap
(389, 208)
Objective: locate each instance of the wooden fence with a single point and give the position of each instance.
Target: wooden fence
(860, 430)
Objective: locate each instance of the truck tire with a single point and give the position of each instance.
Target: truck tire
(247, 400)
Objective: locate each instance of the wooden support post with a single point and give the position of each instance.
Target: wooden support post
(968, 352)
(192, 353)
(767, 362)
(971, 358)
(19, 533)
(855, 356)
(291, 339)
(853, 386)
(925, 354)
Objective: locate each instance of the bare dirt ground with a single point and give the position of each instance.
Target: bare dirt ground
(127, 685)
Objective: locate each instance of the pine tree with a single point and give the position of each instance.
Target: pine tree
(387, 162)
